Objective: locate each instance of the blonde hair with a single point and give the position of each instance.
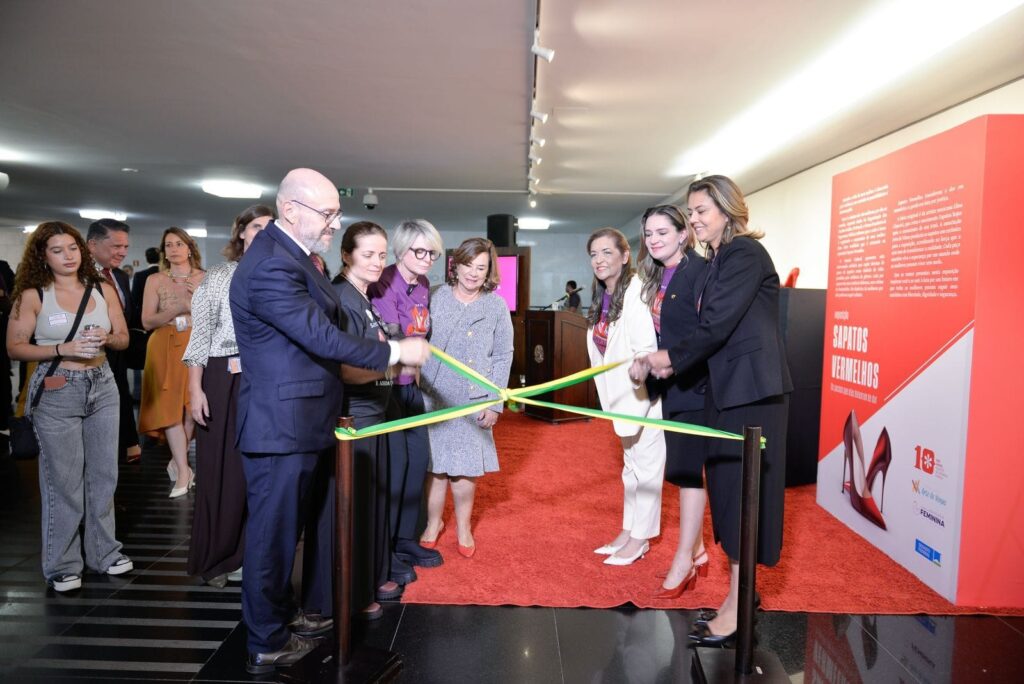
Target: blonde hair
(727, 197)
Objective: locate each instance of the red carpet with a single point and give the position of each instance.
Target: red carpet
(558, 497)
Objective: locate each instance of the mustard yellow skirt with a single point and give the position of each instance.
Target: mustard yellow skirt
(164, 381)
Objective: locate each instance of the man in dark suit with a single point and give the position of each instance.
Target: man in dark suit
(108, 243)
(140, 277)
(287, 322)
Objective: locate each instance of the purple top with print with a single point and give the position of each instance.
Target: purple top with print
(404, 308)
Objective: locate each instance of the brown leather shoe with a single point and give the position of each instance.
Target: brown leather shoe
(310, 624)
(289, 654)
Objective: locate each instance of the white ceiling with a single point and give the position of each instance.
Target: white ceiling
(420, 94)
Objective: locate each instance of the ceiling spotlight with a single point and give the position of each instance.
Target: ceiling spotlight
(128, 169)
(531, 223)
(536, 140)
(232, 189)
(97, 214)
(535, 159)
(532, 178)
(28, 229)
(547, 54)
(196, 232)
(533, 190)
(5, 180)
(539, 116)
(533, 204)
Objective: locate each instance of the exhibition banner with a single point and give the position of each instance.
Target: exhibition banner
(900, 344)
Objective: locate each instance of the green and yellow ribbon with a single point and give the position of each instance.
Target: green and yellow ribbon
(523, 395)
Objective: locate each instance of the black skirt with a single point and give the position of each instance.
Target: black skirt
(218, 522)
(685, 454)
(724, 474)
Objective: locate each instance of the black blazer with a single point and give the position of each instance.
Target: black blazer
(683, 391)
(124, 285)
(738, 333)
(288, 323)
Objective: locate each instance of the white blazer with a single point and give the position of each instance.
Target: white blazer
(631, 335)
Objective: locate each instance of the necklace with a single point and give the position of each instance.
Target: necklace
(176, 277)
(353, 284)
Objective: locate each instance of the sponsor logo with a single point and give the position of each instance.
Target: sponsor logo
(932, 517)
(916, 484)
(926, 493)
(928, 552)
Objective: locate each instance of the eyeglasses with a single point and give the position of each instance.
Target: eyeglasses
(328, 216)
(419, 253)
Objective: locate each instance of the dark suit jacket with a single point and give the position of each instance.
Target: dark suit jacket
(288, 327)
(682, 391)
(129, 305)
(138, 288)
(738, 334)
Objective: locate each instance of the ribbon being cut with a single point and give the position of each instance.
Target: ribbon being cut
(522, 395)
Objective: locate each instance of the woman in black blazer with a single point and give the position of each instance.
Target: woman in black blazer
(671, 270)
(739, 338)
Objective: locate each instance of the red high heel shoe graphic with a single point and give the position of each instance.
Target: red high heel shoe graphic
(880, 461)
(860, 492)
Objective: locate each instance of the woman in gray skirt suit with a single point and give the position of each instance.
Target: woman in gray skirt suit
(473, 325)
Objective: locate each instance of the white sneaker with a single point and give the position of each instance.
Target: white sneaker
(64, 583)
(235, 575)
(122, 565)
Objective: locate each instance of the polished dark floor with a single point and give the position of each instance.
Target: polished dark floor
(157, 623)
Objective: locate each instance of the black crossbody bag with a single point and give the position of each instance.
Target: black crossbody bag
(24, 445)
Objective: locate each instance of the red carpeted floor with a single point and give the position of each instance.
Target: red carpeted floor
(558, 497)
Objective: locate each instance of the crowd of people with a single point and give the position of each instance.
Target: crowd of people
(257, 357)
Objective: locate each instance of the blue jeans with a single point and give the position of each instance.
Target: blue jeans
(76, 426)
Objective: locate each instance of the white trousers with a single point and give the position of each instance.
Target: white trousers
(643, 473)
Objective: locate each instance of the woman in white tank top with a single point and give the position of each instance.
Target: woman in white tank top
(76, 419)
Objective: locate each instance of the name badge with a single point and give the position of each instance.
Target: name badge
(234, 365)
(58, 319)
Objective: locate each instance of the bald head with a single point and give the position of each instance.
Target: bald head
(303, 185)
(308, 208)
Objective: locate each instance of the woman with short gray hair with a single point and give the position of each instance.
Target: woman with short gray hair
(402, 297)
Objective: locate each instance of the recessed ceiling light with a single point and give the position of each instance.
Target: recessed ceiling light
(233, 189)
(533, 204)
(97, 214)
(128, 169)
(28, 229)
(196, 232)
(8, 154)
(533, 223)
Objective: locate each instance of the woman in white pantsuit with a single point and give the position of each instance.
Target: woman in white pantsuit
(621, 328)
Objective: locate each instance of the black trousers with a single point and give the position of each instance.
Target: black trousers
(128, 434)
(410, 455)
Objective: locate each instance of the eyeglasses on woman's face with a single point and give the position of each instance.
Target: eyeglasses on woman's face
(421, 253)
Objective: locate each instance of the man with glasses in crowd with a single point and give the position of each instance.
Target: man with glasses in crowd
(287, 322)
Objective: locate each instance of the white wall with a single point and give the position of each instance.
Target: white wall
(795, 213)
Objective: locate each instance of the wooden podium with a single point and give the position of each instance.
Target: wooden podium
(556, 346)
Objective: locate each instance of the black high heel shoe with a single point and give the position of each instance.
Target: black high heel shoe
(702, 636)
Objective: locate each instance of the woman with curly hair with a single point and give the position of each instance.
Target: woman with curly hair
(214, 376)
(167, 311)
(77, 415)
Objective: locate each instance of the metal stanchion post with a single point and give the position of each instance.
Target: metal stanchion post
(748, 664)
(339, 662)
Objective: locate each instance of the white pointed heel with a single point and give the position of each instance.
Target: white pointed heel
(628, 560)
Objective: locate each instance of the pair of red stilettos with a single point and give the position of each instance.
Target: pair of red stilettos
(863, 502)
(464, 551)
(699, 569)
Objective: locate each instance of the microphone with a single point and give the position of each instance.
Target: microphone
(566, 295)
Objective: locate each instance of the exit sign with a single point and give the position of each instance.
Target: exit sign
(345, 192)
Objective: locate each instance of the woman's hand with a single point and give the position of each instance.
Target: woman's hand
(486, 419)
(639, 370)
(199, 407)
(99, 336)
(80, 348)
